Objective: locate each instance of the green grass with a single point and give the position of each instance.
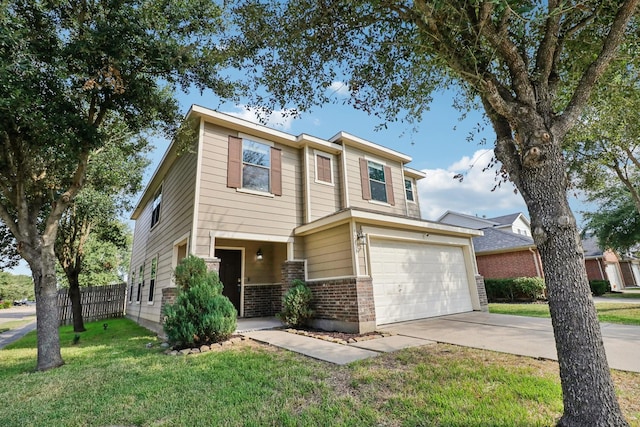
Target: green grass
(621, 313)
(111, 378)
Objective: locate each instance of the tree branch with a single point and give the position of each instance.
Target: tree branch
(597, 68)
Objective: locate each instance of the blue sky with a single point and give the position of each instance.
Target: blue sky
(438, 146)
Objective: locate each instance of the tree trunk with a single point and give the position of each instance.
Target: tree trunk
(587, 387)
(44, 280)
(76, 303)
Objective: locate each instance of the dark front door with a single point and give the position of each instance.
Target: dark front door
(231, 274)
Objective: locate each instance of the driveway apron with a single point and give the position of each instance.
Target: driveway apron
(525, 336)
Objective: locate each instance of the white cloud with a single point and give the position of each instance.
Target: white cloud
(340, 89)
(278, 119)
(440, 192)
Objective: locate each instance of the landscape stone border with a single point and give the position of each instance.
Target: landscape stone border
(206, 348)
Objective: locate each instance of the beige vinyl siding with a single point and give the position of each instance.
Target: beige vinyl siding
(353, 156)
(328, 253)
(325, 199)
(176, 213)
(227, 209)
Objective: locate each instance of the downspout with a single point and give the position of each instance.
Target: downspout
(345, 185)
(307, 186)
(196, 197)
(535, 261)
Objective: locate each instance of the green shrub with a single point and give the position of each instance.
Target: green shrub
(297, 305)
(599, 287)
(192, 270)
(513, 289)
(6, 304)
(200, 314)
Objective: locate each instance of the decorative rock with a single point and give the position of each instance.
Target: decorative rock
(235, 340)
(149, 345)
(204, 348)
(195, 351)
(173, 353)
(225, 343)
(164, 345)
(185, 351)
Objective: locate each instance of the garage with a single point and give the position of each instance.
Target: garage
(417, 280)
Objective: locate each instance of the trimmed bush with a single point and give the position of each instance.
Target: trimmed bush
(297, 305)
(515, 289)
(200, 314)
(192, 270)
(599, 287)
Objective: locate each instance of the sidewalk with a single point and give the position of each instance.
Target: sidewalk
(12, 335)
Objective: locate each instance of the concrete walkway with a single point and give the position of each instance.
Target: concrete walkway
(339, 354)
(526, 336)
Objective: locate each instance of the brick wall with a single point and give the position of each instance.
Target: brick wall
(509, 264)
(482, 293)
(595, 269)
(262, 301)
(169, 296)
(345, 300)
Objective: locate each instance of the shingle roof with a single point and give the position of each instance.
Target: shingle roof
(505, 219)
(495, 239)
(590, 246)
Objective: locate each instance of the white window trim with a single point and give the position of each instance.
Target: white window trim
(255, 192)
(331, 158)
(413, 191)
(241, 189)
(155, 285)
(375, 160)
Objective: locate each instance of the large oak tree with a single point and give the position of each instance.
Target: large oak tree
(532, 65)
(68, 67)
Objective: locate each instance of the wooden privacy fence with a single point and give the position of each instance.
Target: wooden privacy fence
(98, 302)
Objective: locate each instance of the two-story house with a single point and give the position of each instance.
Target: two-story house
(264, 207)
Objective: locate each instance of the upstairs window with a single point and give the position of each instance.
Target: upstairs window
(376, 182)
(408, 188)
(131, 282)
(254, 166)
(323, 169)
(140, 283)
(157, 201)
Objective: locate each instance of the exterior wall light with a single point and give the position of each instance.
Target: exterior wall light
(259, 255)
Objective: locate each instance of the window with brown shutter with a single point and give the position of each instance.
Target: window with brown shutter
(276, 171)
(376, 182)
(254, 166)
(234, 163)
(323, 168)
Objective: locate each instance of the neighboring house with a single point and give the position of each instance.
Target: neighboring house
(506, 249)
(602, 265)
(264, 207)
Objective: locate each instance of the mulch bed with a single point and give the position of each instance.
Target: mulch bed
(337, 337)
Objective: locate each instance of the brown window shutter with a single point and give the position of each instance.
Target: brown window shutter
(389, 185)
(324, 168)
(276, 171)
(364, 179)
(234, 163)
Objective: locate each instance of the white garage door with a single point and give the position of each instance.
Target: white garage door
(416, 280)
(614, 276)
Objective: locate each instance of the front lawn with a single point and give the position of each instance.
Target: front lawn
(628, 294)
(621, 313)
(112, 378)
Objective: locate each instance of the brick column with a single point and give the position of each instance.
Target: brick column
(213, 264)
(482, 293)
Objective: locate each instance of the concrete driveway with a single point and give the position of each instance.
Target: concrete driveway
(526, 336)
